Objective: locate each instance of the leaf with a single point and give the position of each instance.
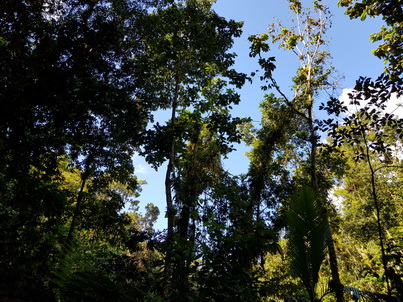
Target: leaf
(308, 236)
(363, 15)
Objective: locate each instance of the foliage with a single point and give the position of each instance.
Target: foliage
(306, 40)
(374, 135)
(186, 68)
(65, 93)
(390, 35)
(359, 244)
(298, 149)
(91, 272)
(81, 82)
(372, 132)
(234, 240)
(308, 236)
(281, 285)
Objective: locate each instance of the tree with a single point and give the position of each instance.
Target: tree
(67, 90)
(370, 126)
(187, 69)
(371, 132)
(359, 240)
(306, 40)
(231, 242)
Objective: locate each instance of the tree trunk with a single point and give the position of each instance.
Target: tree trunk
(334, 268)
(80, 197)
(168, 196)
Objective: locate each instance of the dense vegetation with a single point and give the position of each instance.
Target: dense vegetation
(80, 81)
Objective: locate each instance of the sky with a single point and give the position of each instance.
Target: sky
(349, 46)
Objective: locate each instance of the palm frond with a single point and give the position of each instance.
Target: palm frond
(367, 296)
(308, 234)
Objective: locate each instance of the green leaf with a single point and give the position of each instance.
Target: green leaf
(363, 15)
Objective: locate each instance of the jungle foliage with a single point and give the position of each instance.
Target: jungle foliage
(80, 83)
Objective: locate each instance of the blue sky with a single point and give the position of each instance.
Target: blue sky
(350, 48)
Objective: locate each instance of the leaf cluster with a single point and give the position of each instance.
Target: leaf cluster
(390, 35)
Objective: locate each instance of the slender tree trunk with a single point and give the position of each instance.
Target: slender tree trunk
(169, 179)
(378, 216)
(334, 268)
(187, 193)
(168, 195)
(80, 198)
(77, 211)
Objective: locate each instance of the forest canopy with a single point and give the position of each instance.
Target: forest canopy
(316, 216)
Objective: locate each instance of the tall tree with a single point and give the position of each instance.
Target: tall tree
(366, 127)
(187, 49)
(67, 89)
(307, 40)
(372, 131)
(359, 221)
